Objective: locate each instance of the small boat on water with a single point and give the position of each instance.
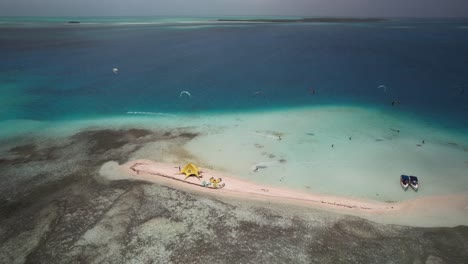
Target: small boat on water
(414, 182)
(404, 181)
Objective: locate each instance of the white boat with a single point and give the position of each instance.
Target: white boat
(404, 182)
(414, 183)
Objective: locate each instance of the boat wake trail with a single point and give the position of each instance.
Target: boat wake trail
(151, 113)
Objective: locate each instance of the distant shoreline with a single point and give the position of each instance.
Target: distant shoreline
(307, 20)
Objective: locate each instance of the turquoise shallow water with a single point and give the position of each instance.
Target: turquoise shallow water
(315, 84)
(344, 151)
(54, 71)
(249, 83)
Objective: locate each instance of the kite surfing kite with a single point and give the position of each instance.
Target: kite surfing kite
(187, 93)
(382, 87)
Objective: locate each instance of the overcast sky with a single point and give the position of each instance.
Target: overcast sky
(366, 8)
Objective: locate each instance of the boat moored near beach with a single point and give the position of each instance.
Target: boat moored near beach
(404, 182)
(414, 182)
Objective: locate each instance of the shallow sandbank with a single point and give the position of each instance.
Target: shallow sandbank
(448, 210)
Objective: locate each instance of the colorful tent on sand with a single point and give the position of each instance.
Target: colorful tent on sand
(190, 170)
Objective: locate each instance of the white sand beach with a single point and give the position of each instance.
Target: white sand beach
(424, 211)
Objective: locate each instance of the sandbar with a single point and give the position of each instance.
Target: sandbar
(306, 20)
(446, 210)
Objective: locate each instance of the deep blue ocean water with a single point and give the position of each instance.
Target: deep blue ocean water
(56, 71)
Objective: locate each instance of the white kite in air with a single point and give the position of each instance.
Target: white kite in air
(382, 87)
(187, 93)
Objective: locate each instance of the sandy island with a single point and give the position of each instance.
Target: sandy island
(449, 210)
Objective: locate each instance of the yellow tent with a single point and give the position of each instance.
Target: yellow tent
(190, 170)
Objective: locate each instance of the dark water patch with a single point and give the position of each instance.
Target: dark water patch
(357, 228)
(188, 135)
(251, 244)
(258, 233)
(44, 38)
(76, 218)
(458, 146)
(364, 243)
(56, 174)
(138, 133)
(23, 150)
(449, 243)
(35, 169)
(19, 213)
(204, 251)
(5, 162)
(30, 152)
(367, 242)
(81, 210)
(32, 196)
(110, 143)
(104, 140)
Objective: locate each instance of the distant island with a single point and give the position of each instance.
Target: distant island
(307, 20)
